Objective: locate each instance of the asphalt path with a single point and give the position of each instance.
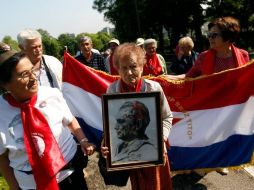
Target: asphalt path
(234, 180)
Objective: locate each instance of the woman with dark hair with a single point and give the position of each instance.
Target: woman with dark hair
(223, 54)
(37, 148)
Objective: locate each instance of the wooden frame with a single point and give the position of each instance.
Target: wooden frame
(123, 111)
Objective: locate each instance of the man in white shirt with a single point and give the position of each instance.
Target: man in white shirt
(49, 67)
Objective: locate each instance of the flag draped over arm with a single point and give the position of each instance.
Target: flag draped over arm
(213, 122)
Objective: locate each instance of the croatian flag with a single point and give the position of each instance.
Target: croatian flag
(213, 122)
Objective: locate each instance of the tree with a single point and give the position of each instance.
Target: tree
(242, 10)
(100, 40)
(69, 41)
(50, 44)
(150, 19)
(14, 44)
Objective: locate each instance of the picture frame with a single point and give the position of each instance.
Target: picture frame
(132, 130)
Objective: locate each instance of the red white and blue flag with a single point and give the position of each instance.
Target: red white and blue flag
(213, 122)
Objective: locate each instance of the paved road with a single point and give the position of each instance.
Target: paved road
(235, 180)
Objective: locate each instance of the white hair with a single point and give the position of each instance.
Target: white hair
(27, 34)
(150, 41)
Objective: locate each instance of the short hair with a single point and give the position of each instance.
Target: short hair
(27, 34)
(84, 38)
(139, 113)
(186, 41)
(126, 50)
(228, 26)
(150, 41)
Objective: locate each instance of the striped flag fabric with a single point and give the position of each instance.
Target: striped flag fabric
(213, 123)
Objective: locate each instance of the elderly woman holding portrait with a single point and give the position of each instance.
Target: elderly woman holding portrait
(37, 148)
(129, 60)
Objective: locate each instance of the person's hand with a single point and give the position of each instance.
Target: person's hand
(104, 151)
(87, 148)
(175, 77)
(180, 54)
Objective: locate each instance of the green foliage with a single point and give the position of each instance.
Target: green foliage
(14, 44)
(3, 184)
(164, 20)
(69, 41)
(149, 18)
(50, 44)
(100, 39)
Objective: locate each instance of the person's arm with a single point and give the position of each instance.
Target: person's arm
(7, 171)
(76, 130)
(167, 115)
(163, 64)
(175, 77)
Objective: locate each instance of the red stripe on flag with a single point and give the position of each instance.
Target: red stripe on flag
(218, 90)
(227, 88)
(91, 80)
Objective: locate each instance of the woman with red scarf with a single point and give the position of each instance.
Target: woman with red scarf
(37, 148)
(222, 54)
(155, 63)
(129, 61)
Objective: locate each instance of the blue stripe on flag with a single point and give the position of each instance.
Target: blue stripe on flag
(94, 135)
(236, 150)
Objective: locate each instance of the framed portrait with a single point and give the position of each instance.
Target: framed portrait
(132, 130)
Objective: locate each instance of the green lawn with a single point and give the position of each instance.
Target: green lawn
(3, 184)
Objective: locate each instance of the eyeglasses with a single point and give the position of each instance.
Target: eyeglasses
(213, 35)
(28, 73)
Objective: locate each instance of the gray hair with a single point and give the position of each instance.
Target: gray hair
(150, 41)
(84, 39)
(27, 34)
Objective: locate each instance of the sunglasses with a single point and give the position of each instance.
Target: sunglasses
(213, 35)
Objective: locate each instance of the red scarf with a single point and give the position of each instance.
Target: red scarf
(127, 88)
(38, 136)
(208, 67)
(113, 71)
(152, 66)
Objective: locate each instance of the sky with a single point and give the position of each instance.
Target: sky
(55, 16)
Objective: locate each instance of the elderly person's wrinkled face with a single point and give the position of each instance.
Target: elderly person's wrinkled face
(85, 46)
(33, 49)
(150, 49)
(23, 84)
(125, 127)
(129, 69)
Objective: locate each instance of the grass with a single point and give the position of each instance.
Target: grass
(3, 184)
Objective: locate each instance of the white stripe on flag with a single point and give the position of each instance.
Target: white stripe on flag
(84, 105)
(193, 131)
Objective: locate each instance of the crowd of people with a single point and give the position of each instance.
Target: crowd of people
(39, 134)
